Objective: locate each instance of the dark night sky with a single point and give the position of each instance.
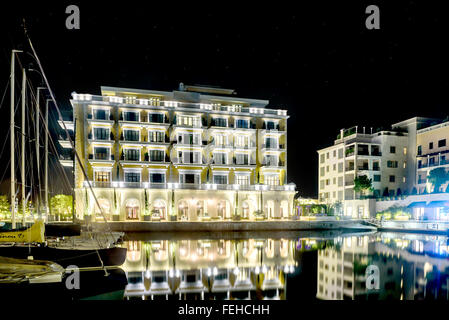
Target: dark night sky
(316, 59)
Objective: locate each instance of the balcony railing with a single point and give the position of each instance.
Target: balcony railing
(434, 164)
(101, 157)
(195, 186)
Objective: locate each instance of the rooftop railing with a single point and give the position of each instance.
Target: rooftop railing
(175, 104)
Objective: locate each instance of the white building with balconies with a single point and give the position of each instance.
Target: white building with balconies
(195, 154)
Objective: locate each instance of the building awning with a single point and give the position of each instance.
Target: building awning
(438, 204)
(418, 204)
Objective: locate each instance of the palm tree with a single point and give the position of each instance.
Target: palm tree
(437, 177)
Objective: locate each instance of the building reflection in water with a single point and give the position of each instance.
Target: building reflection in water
(209, 269)
(411, 267)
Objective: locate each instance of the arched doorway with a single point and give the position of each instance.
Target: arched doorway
(284, 209)
(245, 209)
(223, 209)
(160, 209)
(199, 209)
(269, 209)
(105, 208)
(183, 210)
(132, 209)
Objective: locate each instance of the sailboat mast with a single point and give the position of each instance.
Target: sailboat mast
(38, 153)
(23, 143)
(12, 140)
(46, 160)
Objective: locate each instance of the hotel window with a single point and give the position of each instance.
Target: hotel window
(240, 123)
(322, 171)
(157, 155)
(101, 134)
(157, 177)
(131, 135)
(132, 154)
(327, 155)
(156, 136)
(321, 184)
(405, 151)
(376, 177)
(419, 150)
(156, 117)
(241, 141)
(242, 179)
(271, 125)
(271, 160)
(335, 153)
(219, 122)
(131, 116)
(272, 180)
(432, 161)
(340, 181)
(100, 114)
(189, 178)
(241, 158)
(327, 168)
(392, 149)
(340, 153)
(132, 177)
(189, 157)
(334, 181)
(189, 138)
(188, 121)
(340, 167)
(220, 140)
(334, 167)
(270, 143)
(441, 143)
(392, 178)
(102, 176)
(392, 164)
(322, 158)
(220, 179)
(430, 145)
(101, 153)
(220, 158)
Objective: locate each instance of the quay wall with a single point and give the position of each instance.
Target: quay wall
(226, 226)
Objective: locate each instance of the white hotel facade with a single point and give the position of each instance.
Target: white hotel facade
(193, 154)
(397, 161)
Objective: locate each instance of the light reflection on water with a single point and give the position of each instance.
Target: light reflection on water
(410, 267)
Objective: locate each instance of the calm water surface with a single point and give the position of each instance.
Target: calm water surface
(326, 267)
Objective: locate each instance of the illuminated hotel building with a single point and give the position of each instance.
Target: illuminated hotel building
(194, 154)
(398, 162)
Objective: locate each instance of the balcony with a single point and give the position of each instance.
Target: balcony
(273, 163)
(349, 183)
(106, 158)
(178, 161)
(271, 147)
(65, 160)
(191, 186)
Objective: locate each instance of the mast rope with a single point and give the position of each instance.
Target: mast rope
(68, 136)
